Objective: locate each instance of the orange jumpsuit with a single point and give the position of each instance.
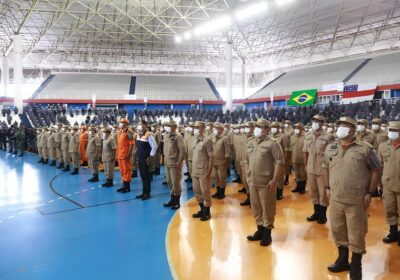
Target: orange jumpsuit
(83, 144)
(125, 140)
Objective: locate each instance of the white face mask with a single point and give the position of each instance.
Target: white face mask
(274, 130)
(329, 129)
(342, 132)
(393, 135)
(286, 125)
(196, 132)
(208, 128)
(257, 132)
(375, 126)
(121, 125)
(315, 126)
(103, 135)
(297, 131)
(63, 129)
(236, 131)
(360, 127)
(242, 130)
(168, 129)
(246, 130)
(324, 127)
(280, 130)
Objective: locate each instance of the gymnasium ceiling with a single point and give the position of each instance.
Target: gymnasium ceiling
(140, 35)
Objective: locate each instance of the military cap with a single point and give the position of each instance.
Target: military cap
(362, 121)
(394, 125)
(275, 124)
(171, 123)
(227, 125)
(124, 121)
(106, 129)
(299, 125)
(191, 124)
(249, 124)
(199, 124)
(288, 122)
(75, 127)
(319, 117)
(210, 124)
(376, 120)
(263, 123)
(347, 120)
(330, 125)
(218, 125)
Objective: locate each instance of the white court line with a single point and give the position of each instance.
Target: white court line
(76, 192)
(60, 198)
(85, 190)
(69, 194)
(51, 201)
(92, 188)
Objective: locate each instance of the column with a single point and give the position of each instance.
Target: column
(4, 75)
(18, 74)
(228, 75)
(244, 79)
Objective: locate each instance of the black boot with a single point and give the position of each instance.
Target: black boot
(228, 172)
(221, 194)
(297, 188)
(238, 180)
(217, 192)
(279, 194)
(200, 213)
(245, 202)
(123, 187)
(286, 180)
(46, 161)
(95, 178)
(170, 202)
(127, 188)
(85, 163)
(41, 160)
(322, 215)
(146, 196)
(355, 267)
(314, 216)
(266, 239)
(60, 166)
(176, 204)
(75, 172)
(242, 190)
(206, 214)
(257, 235)
(342, 262)
(134, 173)
(109, 183)
(66, 168)
(53, 163)
(188, 179)
(302, 187)
(392, 236)
(21, 155)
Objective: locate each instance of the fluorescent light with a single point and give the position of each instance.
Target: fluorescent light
(178, 39)
(187, 35)
(251, 10)
(213, 25)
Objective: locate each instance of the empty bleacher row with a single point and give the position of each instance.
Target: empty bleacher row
(118, 87)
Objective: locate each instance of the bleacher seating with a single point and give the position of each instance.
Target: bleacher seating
(85, 86)
(173, 88)
(309, 78)
(383, 70)
(10, 120)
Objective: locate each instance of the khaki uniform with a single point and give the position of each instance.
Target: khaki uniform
(174, 152)
(296, 147)
(390, 159)
(108, 156)
(316, 174)
(229, 136)
(73, 149)
(380, 136)
(349, 178)
(93, 152)
(43, 145)
(243, 140)
(57, 138)
(284, 141)
(221, 159)
(261, 157)
(189, 143)
(202, 152)
(367, 136)
(65, 138)
(39, 144)
(237, 140)
(51, 146)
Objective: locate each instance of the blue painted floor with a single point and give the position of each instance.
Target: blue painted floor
(99, 234)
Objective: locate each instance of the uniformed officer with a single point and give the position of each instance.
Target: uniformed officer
(331, 130)
(43, 144)
(296, 147)
(93, 152)
(125, 146)
(174, 155)
(57, 136)
(65, 138)
(389, 155)
(243, 140)
(221, 156)
(237, 138)
(203, 161)
(189, 143)
(21, 139)
(380, 135)
(363, 134)
(264, 168)
(73, 149)
(353, 170)
(315, 144)
(38, 144)
(51, 146)
(108, 156)
(229, 135)
(288, 128)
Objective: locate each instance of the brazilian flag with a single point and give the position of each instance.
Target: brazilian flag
(302, 97)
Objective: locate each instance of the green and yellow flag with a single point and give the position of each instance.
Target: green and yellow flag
(302, 97)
